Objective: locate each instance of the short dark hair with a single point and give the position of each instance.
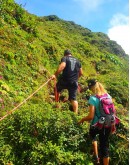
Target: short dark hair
(67, 52)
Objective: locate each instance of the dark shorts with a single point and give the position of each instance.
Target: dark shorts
(70, 86)
(103, 139)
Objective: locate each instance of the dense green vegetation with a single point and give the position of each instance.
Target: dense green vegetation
(30, 50)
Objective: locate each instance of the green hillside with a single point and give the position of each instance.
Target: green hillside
(30, 50)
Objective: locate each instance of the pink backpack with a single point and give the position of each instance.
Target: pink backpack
(108, 116)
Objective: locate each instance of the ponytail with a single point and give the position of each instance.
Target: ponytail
(98, 89)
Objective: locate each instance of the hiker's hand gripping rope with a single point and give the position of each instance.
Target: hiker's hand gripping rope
(53, 77)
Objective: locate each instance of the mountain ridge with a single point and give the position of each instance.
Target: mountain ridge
(117, 48)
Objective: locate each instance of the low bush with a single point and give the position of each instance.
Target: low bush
(39, 135)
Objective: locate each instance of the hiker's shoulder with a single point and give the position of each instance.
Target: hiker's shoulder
(63, 59)
(93, 99)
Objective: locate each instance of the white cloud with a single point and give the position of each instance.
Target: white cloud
(89, 5)
(119, 31)
(119, 19)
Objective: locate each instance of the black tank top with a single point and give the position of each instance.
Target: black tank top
(71, 71)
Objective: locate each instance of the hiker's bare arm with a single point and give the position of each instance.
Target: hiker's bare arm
(59, 70)
(90, 115)
(80, 72)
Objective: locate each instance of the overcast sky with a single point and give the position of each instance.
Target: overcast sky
(108, 16)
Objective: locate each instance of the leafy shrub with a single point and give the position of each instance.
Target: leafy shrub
(42, 135)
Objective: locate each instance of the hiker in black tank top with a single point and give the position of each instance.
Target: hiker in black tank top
(71, 70)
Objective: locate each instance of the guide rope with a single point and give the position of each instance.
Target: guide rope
(10, 112)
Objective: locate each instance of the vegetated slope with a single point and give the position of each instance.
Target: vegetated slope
(31, 48)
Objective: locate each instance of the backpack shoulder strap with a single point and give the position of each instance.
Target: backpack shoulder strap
(105, 96)
(102, 96)
(95, 108)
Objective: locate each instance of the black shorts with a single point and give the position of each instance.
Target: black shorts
(103, 139)
(70, 86)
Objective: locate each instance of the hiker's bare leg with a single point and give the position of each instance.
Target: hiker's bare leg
(106, 161)
(75, 106)
(95, 148)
